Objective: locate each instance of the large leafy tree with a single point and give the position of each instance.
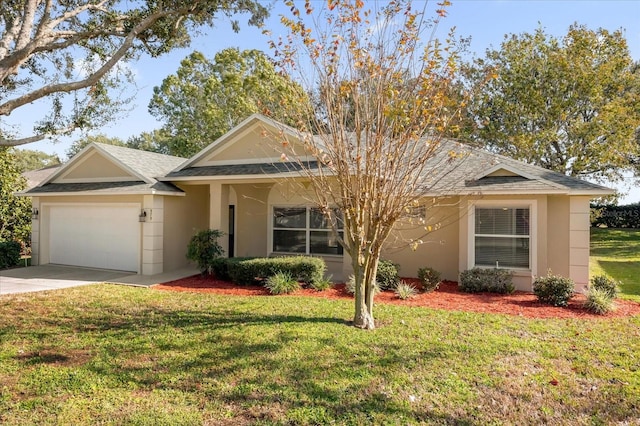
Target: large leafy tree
(206, 98)
(569, 104)
(155, 141)
(30, 159)
(384, 95)
(15, 212)
(67, 53)
(82, 142)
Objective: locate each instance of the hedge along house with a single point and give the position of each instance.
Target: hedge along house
(117, 208)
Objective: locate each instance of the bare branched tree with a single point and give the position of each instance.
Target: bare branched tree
(382, 81)
(66, 52)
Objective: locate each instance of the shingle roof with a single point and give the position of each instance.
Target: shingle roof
(454, 168)
(470, 162)
(104, 187)
(240, 169)
(147, 165)
(34, 177)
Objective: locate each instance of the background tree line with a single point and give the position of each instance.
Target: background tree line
(569, 104)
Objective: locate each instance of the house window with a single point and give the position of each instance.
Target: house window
(502, 237)
(305, 230)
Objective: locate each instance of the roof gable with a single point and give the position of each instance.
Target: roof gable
(256, 140)
(95, 167)
(503, 170)
(111, 168)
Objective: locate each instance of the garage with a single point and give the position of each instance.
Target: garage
(101, 236)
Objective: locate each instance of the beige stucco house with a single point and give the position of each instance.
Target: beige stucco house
(118, 208)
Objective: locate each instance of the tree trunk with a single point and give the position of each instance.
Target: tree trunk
(365, 276)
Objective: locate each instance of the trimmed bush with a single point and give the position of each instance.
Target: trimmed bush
(387, 275)
(220, 268)
(350, 286)
(248, 271)
(478, 280)
(605, 284)
(281, 283)
(429, 278)
(598, 301)
(204, 249)
(405, 290)
(9, 254)
(553, 290)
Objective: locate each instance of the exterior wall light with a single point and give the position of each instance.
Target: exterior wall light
(144, 215)
(35, 213)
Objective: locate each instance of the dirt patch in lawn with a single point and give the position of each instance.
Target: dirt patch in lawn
(448, 296)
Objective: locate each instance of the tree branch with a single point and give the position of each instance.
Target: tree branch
(22, 141)
(7, 107)
(27, 46)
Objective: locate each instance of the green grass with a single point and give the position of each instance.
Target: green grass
(119, 355)
(616, 252)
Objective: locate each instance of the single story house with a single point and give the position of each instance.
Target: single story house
(117, 208)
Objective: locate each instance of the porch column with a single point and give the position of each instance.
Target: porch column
(579, 230)
(153, 235)
(219, 212)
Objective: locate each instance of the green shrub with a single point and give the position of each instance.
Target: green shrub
(599, 301)
(553, 290)
(9, 254)
(350, 286)
(321, 285)
(220, 268)
(204, 249)
(605, 284)
(405, 290)
(387, 275)
(429, 278)
(479, 280)
(281, 283)
(248, 271)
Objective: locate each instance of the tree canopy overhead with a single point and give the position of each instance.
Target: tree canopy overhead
(67, 52)
(206, 98)
(569, 104)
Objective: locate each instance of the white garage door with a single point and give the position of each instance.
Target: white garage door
(106, 237)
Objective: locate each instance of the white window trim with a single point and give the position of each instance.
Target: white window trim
(532, 205)
(307, 230)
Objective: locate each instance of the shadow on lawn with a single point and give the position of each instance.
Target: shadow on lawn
(260, 372)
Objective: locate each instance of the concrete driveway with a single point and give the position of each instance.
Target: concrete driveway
(53, 277)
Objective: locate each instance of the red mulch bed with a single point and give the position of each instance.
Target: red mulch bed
(447, 296)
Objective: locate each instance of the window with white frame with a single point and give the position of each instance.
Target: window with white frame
(502, 237)
(305, 230)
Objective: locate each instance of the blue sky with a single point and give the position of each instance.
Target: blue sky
(485, 21)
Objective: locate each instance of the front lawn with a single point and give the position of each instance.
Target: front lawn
(616, 252)
(120, 355)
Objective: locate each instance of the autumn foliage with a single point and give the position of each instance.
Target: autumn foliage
(381, 80)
